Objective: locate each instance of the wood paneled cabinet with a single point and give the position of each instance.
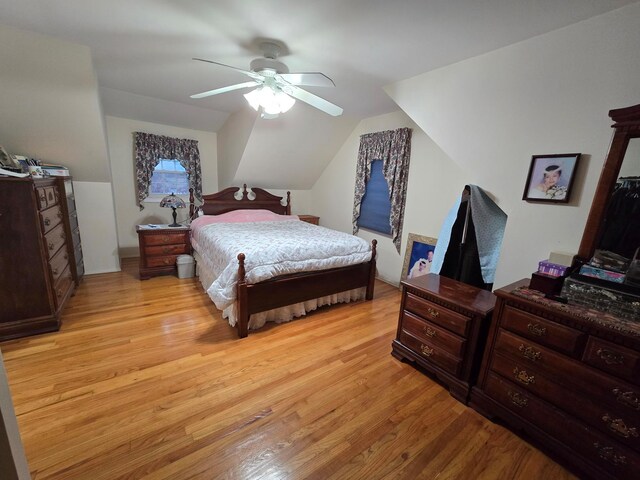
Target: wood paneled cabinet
(159, 248)
(442, 327)
(570, 379)
(36, 278)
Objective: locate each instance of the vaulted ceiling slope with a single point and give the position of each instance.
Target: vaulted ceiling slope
(142, 54)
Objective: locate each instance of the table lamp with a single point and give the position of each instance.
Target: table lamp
(173, 202)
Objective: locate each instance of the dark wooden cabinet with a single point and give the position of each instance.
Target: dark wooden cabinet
(310, 219)
(72, 227)
(442, 327)
(160, 247)
(568, 377)
(35, 274)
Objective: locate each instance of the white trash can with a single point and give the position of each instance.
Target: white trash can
(186, 266)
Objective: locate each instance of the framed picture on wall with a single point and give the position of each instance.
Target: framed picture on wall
(550, 178)
(418, 256)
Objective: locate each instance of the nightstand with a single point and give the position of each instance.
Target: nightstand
(160, 245)
(309, 219)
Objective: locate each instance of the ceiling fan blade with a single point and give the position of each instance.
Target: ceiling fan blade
(311, 79)
(225, 89)
(249, 73)
(313, 100)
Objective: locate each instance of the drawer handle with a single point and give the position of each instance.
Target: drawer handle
(630, 399)
(165, 239)
(166, 250)
(609, 357)
(43, 198)
(617, 425)
(47, 222)
(518, 399)
(523, 377)
(60, 292)
(537, 329)
(429, 332)
(55, 271)
(529, 352)
(51, 246)
(166, 261)
(608, 454)
(433, 313)
(426, 351)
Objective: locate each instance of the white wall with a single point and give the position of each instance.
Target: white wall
(128, 215)
(549, 94)
(434, 184)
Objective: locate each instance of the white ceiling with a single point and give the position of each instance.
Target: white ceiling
(142, 49)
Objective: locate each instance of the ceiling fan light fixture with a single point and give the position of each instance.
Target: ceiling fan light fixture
(271, 101)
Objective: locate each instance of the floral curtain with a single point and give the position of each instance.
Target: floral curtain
(149, 149)
(393, 147)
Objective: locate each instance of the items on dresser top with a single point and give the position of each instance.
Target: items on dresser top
(442, 327)
(569, 377)
(160, 245)
(36, 276)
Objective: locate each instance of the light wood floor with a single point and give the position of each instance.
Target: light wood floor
(145, 380)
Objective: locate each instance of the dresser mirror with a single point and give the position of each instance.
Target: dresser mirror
(611, 224)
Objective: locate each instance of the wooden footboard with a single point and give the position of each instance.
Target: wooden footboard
(300, 287)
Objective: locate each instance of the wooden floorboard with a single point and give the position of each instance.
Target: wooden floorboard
(146, 380)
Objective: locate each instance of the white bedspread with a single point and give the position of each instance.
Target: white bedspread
(271, 249)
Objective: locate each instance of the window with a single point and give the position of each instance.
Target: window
(375, 208)
(169, 177)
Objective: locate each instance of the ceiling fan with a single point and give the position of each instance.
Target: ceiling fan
(277, 88)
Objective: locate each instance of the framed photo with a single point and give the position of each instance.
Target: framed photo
(550, 178)
(418, 256)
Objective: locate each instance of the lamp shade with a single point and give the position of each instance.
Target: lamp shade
(272, 100)
(173, 202)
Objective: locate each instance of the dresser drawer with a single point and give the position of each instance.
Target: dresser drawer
(62, 286)
(619, 423)
(431, 353)
(161, 261)
(41, 193)
(429, 332)
(166, 250)
(73, 221)
(452, 321)
(559, 337)
(51, 217)
(612, 358)
(601, 388)
(167, 238)
(59, 263)
(598, 448)
(54, 240)
(52, 195)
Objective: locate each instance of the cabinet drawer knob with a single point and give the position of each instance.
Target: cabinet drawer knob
(55, 271)
(60, 292)
(523, 377)
(47, 222)
(426, 351)
(165, 239)
(529, 352)
(617, 425)
(429, 332)
(432, 312)
(609, 357)
(43, 198)
(518, 399)
(166, 261)
(609, 454)
(630, 399)
(166, 250)
(51, 246)
(537, 329)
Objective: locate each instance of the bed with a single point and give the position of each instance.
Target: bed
(259, 263)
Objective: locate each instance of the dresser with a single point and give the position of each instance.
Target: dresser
(36, 279)
(442, 327)
(310, 219)
(569, 377)
(160, 246)
(72, 228)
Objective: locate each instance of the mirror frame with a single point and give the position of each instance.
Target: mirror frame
(627, 126)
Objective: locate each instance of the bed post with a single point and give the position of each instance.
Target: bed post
(192, 207)
(288, 203)
(372, 270)
(242, 307)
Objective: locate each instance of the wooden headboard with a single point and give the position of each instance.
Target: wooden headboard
(226, 201)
